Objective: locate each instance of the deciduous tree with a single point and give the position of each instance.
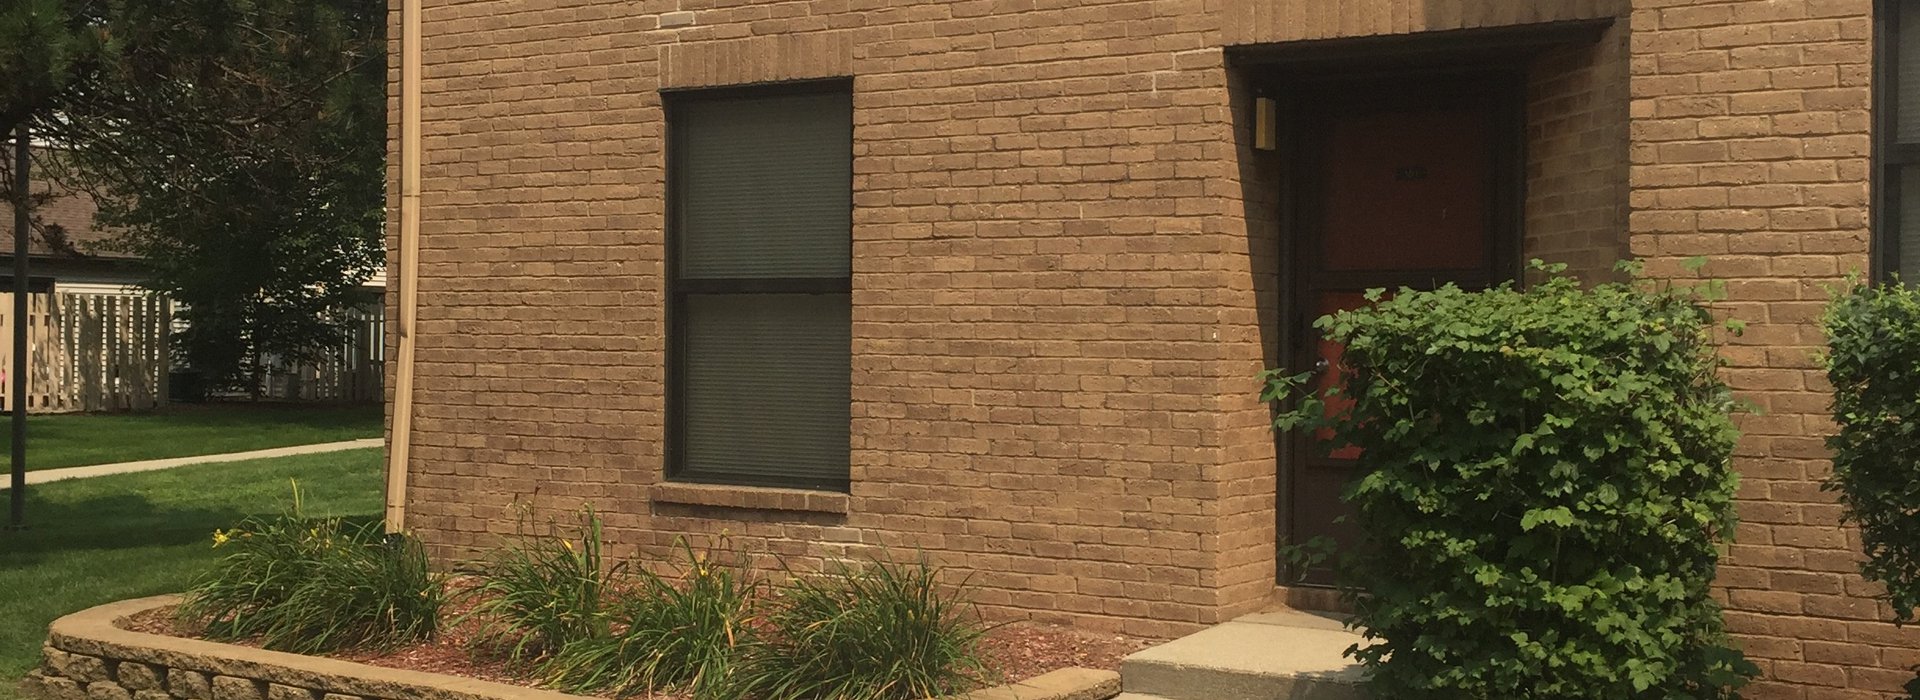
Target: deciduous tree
(237, 147)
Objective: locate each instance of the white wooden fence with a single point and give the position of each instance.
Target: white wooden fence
(350, 372)
(89, 352)
(109, 352)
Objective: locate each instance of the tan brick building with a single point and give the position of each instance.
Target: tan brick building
(991, 279)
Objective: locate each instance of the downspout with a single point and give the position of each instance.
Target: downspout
(408, 270)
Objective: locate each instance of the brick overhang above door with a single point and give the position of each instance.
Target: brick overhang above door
(1269, 21)
(1398, 53)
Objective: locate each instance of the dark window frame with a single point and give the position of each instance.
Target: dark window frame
(678, 289)
(1888, 155)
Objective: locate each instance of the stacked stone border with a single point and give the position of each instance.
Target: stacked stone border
(89, 656)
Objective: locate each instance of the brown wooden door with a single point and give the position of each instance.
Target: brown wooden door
(1398, 186)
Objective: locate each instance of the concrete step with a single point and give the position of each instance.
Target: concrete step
(1286, 655)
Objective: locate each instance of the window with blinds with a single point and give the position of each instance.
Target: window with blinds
(1897, 130)
(760, 190)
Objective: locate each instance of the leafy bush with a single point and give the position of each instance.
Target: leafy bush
(1874, 366)
(1547, 476)
(315, 585)
(540, 593)
(874, 631)
(670, 633)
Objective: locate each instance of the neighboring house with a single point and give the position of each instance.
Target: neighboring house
(991, 280)
(67, 247)
(97, 341)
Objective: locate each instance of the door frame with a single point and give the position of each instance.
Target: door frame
(1504, 87)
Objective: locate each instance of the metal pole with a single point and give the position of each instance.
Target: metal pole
(18, 374)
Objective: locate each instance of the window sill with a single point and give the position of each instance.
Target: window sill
(750, 497)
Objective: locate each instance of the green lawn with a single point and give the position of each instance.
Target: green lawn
(185, 431)
(98, 540)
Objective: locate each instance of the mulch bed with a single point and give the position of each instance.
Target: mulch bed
(1013, 651)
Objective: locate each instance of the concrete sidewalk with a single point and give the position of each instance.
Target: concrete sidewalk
(46, 475)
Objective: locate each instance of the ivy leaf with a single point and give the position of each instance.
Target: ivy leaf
(1558, 515)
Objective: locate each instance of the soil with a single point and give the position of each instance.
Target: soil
(1013, 651)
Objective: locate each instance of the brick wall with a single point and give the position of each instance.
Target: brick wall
(1048, 253)
(1065, 275)
(1037, 288)
(1750, 146)
(1249, 337)
(1576, 210)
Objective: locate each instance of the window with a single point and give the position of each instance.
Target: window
(1897, 139)
(760, 207)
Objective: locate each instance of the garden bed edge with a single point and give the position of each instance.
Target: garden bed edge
(89, 656)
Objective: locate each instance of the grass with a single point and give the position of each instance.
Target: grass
(75, 440)
(98, 540)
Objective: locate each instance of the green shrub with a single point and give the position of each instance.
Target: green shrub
(540, 593)
(315, 585)
(1874, 366)
(874, 631)
(1547, 476)
(669, 633)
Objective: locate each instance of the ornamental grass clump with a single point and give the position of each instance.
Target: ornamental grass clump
(1874, 366)
(668, 633)
(556, 608)
(876, 630)
(539, 593)
(314, 585)
(1546, 476)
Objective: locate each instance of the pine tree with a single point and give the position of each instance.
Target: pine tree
(47, 51)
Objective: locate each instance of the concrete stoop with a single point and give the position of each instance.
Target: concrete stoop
(1287, 655)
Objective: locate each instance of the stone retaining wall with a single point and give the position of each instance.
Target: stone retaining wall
(90, 657)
